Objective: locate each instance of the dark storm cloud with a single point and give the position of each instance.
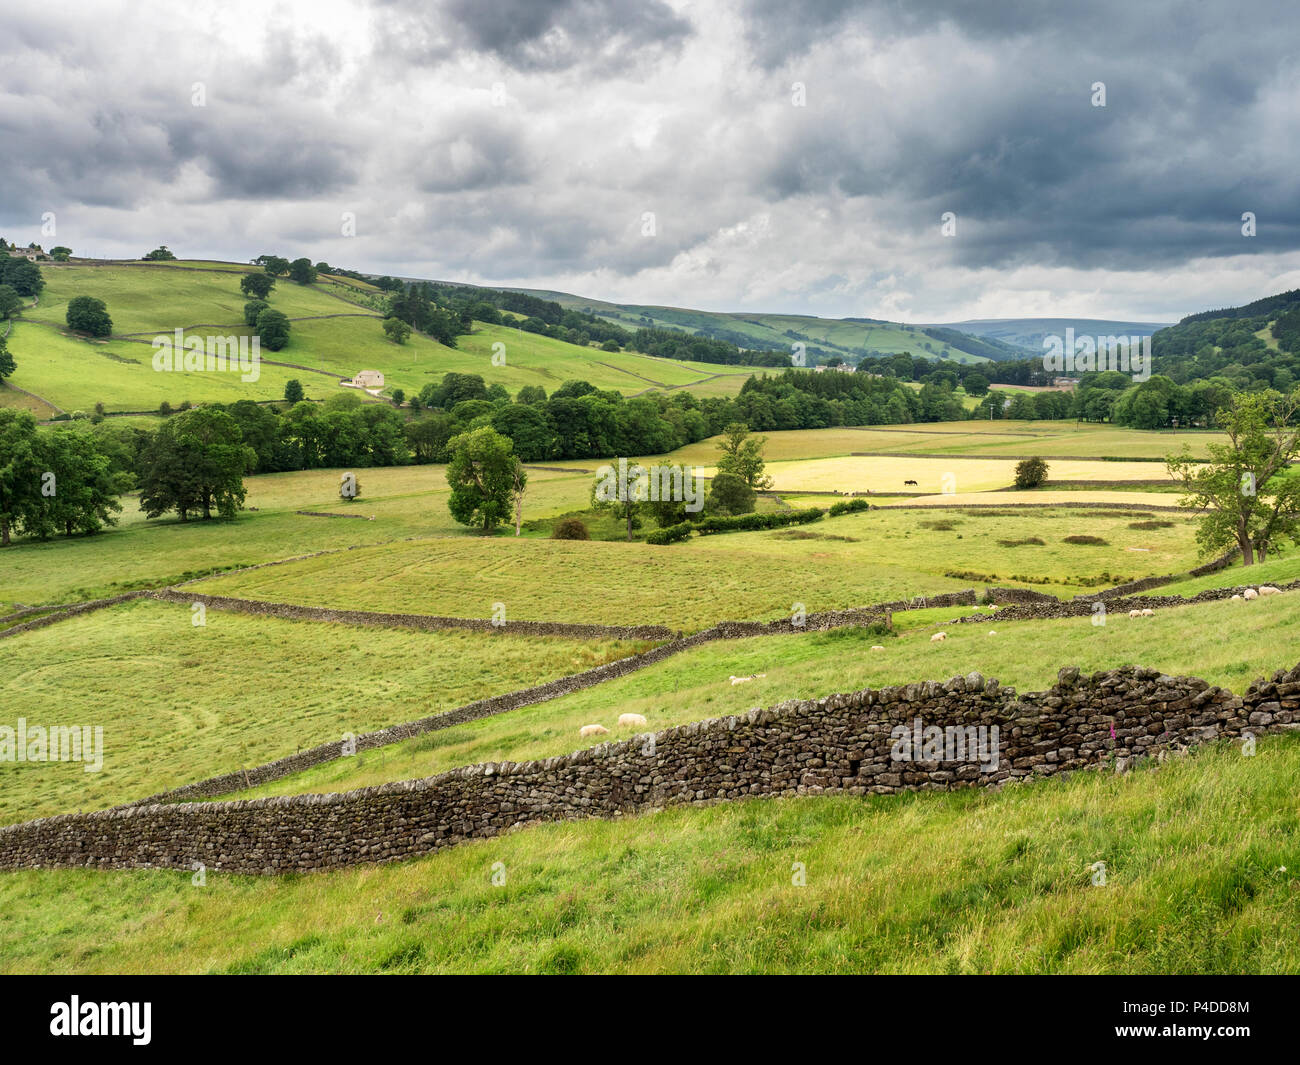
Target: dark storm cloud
(1017, 149)
(535, 34)
(609, 109)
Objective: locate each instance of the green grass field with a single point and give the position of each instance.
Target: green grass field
(1225, 643)
(971, 882)
(884, 555)
(332, 333)
(139, 553)
(172, 697)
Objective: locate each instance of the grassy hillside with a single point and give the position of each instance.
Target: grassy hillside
(1225, 643)
(333, 335)
(1200, 859)
(837, 336)
(171, 696)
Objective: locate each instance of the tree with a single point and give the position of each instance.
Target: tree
(256, 286)
(729, 494)
(89, 315)
(195, 461)
(1031, 472)
(60, 254)
(742, 455)
(1244, 500)
(7, 364)
(399, 397)
(253, 310)
(623, 491)
(273, 327)
(396, 330)
(10, 302)
(159, 254)
(302, 271)
(976, 384)
(79, 486)
(20, 471)
(22, 275)
(293, 390)
(484, 476)
(275, 265)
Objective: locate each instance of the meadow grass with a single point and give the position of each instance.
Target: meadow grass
(405, 501)
(966, 882)
(180, 702)
(77, 373)
(885, 555)
(1224, 643)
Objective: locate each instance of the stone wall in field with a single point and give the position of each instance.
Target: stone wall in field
(841, 743)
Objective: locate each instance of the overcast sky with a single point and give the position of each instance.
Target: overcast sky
(525, 142)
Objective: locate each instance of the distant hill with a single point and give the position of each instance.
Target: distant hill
(823, 338)
(1026, 334)
(1251, 346)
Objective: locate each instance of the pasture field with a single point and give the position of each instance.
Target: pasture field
(405, 501)
(852, 560)
(331, 334)
(1225, 643)
(152, 299)
(1199, 853)
(882, 473)
(75, 374)
(173, 697)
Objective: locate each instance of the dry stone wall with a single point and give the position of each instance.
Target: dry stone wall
(841, 743)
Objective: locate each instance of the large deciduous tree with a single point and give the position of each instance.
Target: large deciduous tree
(742, 455)
(484, 475)
(196, 461)
(1244, 498)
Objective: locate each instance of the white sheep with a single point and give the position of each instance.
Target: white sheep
(993, 632)
(1268, 589)
(1235, 599)
(938, 637)
(1250, 593)
(1135, 613)
(877, 647)
(631, 720)
(592, 730)
(1148, 612)
(745, 680)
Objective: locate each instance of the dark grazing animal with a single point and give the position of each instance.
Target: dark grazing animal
(906, 483)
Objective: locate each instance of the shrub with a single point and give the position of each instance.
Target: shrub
(89, 315)
(570, 529)
(1027, 541)
(1030, 473)
(1097, 540)
(848, 506)
(752, 522)
(670, 534)
(939, 525)
(1151, 525)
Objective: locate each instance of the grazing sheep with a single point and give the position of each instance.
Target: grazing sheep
(742, 680)
(1250, 593)
(1235, 599)
(592, 730)
(993, 632)
(1147, 612)
(1268, 589)
(1135, 613)
(631, 720)
(877, 647)
(938, 637)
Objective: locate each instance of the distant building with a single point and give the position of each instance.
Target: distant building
(368, 379)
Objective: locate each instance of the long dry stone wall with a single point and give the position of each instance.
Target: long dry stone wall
(841, 743)
(255, 776)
